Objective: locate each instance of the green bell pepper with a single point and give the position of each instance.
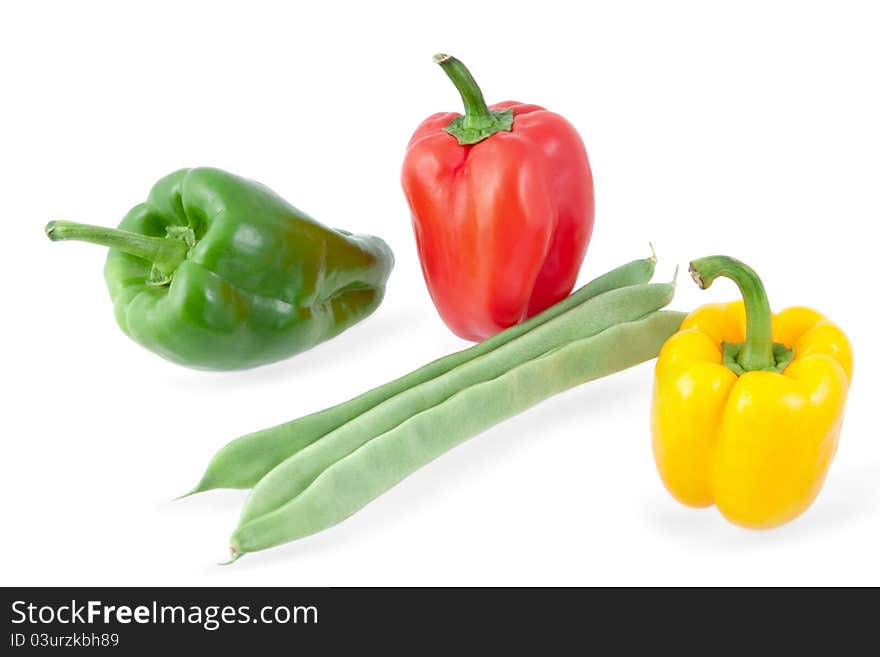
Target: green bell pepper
(217, 272)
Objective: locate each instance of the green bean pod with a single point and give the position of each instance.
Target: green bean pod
(245, 460)
(292, 476)
(355, 480)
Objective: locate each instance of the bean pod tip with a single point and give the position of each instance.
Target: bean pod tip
(234, 555)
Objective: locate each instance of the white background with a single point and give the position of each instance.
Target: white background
(744, 128)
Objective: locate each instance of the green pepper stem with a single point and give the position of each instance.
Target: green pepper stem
(165, 253)
(478, 121)
(757, 350)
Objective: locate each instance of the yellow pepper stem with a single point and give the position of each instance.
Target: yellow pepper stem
(758, 351)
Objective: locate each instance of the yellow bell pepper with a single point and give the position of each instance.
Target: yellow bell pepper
(748, 406)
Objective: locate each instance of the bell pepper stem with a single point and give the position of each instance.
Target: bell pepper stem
(478, 121)
(475, 107)
(164, 252)
(757, 350)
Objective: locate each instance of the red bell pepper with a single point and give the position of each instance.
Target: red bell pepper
(502, 206)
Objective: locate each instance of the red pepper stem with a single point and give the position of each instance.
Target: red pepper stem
(478, 121)
(475, 108)
(165, 253)
(757, 350)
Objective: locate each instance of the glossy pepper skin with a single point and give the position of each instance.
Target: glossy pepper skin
(748, 406)
(217, 272)
(502, 207)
